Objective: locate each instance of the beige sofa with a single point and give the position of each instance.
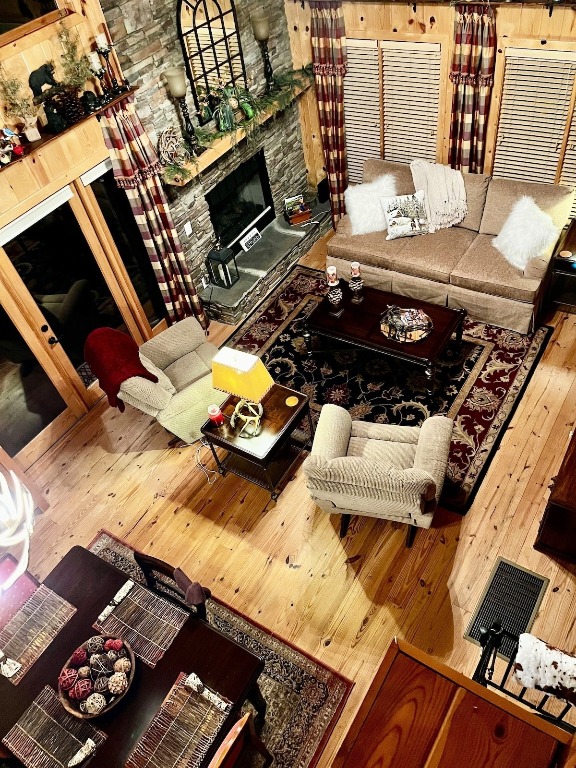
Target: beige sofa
(457, 267)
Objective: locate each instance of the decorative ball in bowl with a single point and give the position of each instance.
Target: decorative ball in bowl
(96, 676)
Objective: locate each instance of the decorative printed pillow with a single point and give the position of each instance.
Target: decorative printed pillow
(362, 204)
(526, 234)
(406, 215)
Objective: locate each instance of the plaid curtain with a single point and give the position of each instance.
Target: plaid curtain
(472, 73)
(329, 63)
(137, 171)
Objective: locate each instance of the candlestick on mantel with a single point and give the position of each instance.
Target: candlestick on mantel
(102, 42)
(95, 63)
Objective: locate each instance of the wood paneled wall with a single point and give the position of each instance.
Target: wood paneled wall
(420, 22)
(28, 181)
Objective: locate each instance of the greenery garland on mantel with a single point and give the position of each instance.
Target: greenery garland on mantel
(287, 86)
(278, 99)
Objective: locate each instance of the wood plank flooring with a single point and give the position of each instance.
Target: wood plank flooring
(283, 563)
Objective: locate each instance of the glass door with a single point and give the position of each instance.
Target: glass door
(61, 276)
(30, 401)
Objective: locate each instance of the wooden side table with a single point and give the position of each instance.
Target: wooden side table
(268, 458)
(562, 291)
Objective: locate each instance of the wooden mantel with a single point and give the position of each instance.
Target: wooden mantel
(220, 146)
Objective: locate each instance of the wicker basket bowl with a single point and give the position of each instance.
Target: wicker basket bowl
(77, 708)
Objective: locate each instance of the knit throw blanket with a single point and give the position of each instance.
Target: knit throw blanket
(539, 665)
(444, 193)
(113, 357)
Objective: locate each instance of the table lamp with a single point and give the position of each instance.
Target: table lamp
(16, 523)
(246, 377)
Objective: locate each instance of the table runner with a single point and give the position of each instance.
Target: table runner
(46, 736)
(32, 629)
(145, 620)
(184, 727)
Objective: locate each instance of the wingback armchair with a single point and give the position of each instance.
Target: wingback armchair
(181, 358)
(378, 470)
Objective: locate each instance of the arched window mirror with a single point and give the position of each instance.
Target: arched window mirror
(208, 31)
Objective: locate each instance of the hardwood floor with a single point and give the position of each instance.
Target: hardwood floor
(283, 563)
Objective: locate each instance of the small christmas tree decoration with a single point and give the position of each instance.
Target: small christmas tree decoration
(75, 64)
(18, 105)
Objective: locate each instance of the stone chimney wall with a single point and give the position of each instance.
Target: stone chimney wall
(146, 41)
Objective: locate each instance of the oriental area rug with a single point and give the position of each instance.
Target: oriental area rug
(481, 383)
(305, 698)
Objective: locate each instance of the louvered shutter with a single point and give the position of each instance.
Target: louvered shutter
(568, 175)
(411, 96)
(534, 110)
(362, 119)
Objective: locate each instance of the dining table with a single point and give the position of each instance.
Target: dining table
(89, 584)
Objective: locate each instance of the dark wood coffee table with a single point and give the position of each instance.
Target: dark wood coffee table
(359, 325)
(268, 458)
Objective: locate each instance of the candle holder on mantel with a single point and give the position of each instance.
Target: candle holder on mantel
(356, 283)
(103, 47)
(261, 29)
(106, 94)
(176, 80)
(335, 295)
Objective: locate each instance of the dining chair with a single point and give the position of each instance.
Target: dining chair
(239, 738)
(173, 584)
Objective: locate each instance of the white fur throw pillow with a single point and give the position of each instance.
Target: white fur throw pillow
(363, 206)
(526, 234)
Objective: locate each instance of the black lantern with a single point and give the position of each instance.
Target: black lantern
(218, 263)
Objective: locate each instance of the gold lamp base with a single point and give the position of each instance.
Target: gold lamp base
(249, 415)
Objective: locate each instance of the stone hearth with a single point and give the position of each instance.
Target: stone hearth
(264, 266)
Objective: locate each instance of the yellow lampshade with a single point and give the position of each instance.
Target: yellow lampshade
(240, 374)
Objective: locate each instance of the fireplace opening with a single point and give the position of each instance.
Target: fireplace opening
(241, 201)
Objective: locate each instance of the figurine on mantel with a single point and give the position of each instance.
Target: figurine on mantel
(55, 123)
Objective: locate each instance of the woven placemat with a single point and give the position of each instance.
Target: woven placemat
(145, 620)
(46, 736)
(512, 595)
(182, 730)
(33, 627)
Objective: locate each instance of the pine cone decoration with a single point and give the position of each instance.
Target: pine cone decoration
(69, 106)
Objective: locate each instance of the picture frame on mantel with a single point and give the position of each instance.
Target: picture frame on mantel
(250, 239)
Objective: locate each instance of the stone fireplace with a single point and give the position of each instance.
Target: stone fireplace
(146, 42)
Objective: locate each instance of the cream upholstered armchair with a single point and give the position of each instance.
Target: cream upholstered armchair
(181, 358)
(378, 470)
